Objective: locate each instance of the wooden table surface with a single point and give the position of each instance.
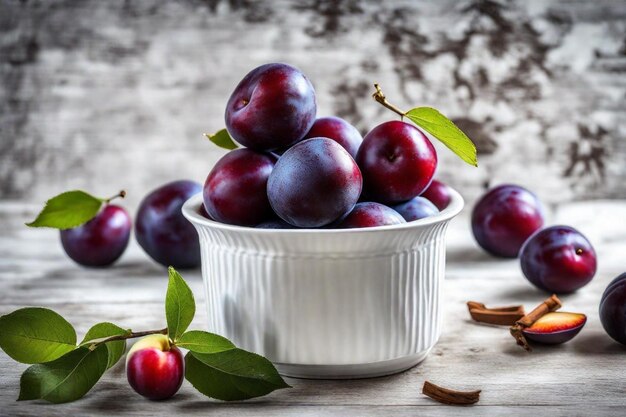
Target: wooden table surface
(585, 377)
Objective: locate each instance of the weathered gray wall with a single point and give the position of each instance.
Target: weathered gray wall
(107, 94)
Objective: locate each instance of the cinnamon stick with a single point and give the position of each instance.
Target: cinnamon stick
(449, 396)
(550, 304)
(501, 316)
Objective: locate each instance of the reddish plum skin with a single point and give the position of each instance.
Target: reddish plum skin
(338, 130)
(558, 259)
(415, 209)
(504, 218)
(438, 193)
(155, 373)
(555, 328)
(397, 161)
(314, 183)
(235, 191)
(370, 214)
(613, 309)
(162, 230)
(273, 107)
(100, 241)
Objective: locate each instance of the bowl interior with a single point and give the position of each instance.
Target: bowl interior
(191, 210)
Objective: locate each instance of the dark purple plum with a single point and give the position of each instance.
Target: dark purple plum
(203, 213)
(275, 224)
(613, 309)
(369, 214)
(504, 218)
(235, 192)
(338, 130)
(273, 107)
(314, 183)
(558, 259)
(415, 209)
(438, 193)
(397, 161)
(100, 241)
(162, 230)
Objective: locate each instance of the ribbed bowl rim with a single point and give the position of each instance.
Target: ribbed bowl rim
(191, 210)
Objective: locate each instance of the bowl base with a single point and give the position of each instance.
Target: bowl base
(351, 371)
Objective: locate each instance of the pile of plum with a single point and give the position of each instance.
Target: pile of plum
(297, 171)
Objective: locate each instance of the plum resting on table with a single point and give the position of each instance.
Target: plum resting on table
(504, 218)
(100, 241)
(338, 130)
(235, 191)
(397, 162)
(369, 214)
(272, 108)
(415, 209)
(162, 230)
(314, 183)
(613, 309)
(155, 368)
(558, 259)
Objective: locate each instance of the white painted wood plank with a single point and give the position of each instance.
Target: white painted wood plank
(586, 376)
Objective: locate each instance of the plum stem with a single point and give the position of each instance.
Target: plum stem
(121, 194)
(379, 96)
(128, 335)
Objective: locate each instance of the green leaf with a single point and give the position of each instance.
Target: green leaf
(222, 139)
(67, 210)
(36, 335)
(65, 379)
(446, 131)
(232, 375)
(104, 330)
(204, 342)
(180, 306)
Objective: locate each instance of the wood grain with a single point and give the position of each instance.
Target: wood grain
(586, 376)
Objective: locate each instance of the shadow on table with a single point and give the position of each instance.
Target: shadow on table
(147, 268)
(469, 254)
(135, 269)
(211, 404)
(305, 391)
(590, 343)
(597, 343)
(523, 294)
(107, 396)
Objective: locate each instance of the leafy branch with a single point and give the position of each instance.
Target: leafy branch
(65, 371)
(438, 125)
(128, 335)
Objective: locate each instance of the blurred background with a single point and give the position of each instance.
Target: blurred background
(104, 95)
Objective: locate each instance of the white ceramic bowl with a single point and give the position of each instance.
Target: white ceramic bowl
(327, 303)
